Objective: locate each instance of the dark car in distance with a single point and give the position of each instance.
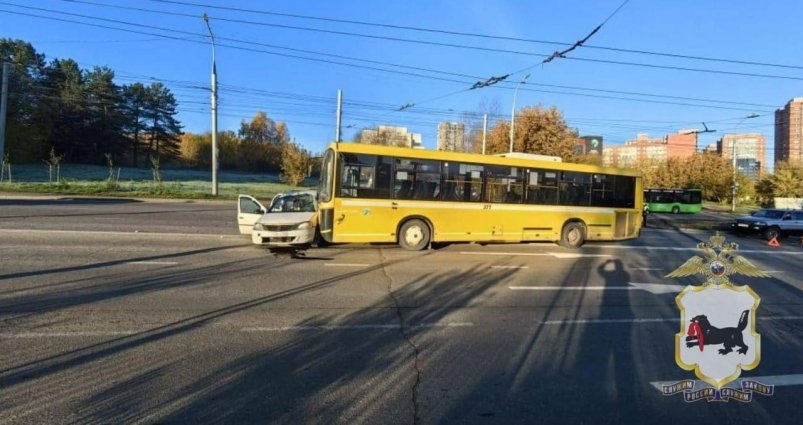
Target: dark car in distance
(770, 223)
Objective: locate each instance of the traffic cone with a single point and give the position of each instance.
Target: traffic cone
(773, 241)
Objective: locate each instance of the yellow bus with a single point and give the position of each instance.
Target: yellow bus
(413, 197)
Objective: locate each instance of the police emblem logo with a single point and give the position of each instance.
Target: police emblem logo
(717, 337)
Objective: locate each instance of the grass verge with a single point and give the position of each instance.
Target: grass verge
(148, 189)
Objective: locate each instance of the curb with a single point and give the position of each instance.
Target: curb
(12, 196)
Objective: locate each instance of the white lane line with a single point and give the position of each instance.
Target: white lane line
(345, 265)
(645, 320)
(603, 321)
(562, 255)
(354, 327)
(777, 380)
(655, 288)
(673, 248)
(509, 267)
(153, 263)
(117, 233)
(64, 334)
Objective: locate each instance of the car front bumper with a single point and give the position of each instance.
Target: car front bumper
(286, 238)
(747, 228)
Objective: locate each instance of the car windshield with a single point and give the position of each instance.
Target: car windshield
(303, 202)
(768, 214)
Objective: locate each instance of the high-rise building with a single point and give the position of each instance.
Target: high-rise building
(391, 136)
(749, 149)
(646, 149)
(450, 136)
(789, 132)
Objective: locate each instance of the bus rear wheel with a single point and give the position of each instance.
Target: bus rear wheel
(414, 235)
(573, 236)
(676, 210)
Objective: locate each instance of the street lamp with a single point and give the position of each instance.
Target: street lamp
(513, 110)
(214, 110)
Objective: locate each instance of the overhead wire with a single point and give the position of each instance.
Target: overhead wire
(474, 35)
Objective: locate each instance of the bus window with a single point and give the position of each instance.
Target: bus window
(503, 184)
(602, 190)
(462, 182)
(542, 187)
(575, 189)
(416, 179)
(357, 176)
(624, 192)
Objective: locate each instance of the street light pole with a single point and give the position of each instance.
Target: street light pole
(513, 111)
(214, 110)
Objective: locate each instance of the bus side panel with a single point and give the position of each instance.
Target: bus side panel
(365, 220)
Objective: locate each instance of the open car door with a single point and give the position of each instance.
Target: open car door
(249, 210)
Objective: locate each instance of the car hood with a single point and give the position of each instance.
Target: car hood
(286, 218)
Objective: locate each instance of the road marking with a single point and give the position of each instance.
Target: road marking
(603, 321)
(562, 255)
(345, 265)
(673, 248)
(777, 380)
(64, 334)
(645, 269)
(509, 267)
(655, 288)
(132, 233)
(355, 327)
(645, 320)
(155, 263)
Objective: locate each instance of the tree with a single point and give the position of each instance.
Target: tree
(538, 131)
(27, 125)
(163, 127)
(786, 182)
(134, 97)
(260, 130)
(295, 164)
(104, 115)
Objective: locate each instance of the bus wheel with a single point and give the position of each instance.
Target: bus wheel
(675, 209)
(574, 235)
(414, 235)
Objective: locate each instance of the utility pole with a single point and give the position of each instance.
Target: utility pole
(513, 111)
(339, 114)
(214, 110)
(484, 131)
(4, 109)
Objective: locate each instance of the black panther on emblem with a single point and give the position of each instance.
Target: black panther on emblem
(702, 333)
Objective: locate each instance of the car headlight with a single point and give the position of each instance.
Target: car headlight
(760, 224)
(304, 225)
(259, 227)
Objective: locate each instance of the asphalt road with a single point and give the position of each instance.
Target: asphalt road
(129, 312)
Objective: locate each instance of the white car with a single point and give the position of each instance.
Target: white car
(290, 221)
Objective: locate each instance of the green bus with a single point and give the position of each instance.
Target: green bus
(676, 201)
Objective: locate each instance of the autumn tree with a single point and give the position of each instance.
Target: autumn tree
(785, 182)
(538, 130)
(295, 164)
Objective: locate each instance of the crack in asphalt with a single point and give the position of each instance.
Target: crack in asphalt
(407, 338)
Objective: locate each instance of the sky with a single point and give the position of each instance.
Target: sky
(258, 70)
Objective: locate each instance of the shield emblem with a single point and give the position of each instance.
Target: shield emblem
(717, 337)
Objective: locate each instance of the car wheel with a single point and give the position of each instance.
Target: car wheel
(573, 236)
(772, 232)
(675, 210)
(414, 235)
